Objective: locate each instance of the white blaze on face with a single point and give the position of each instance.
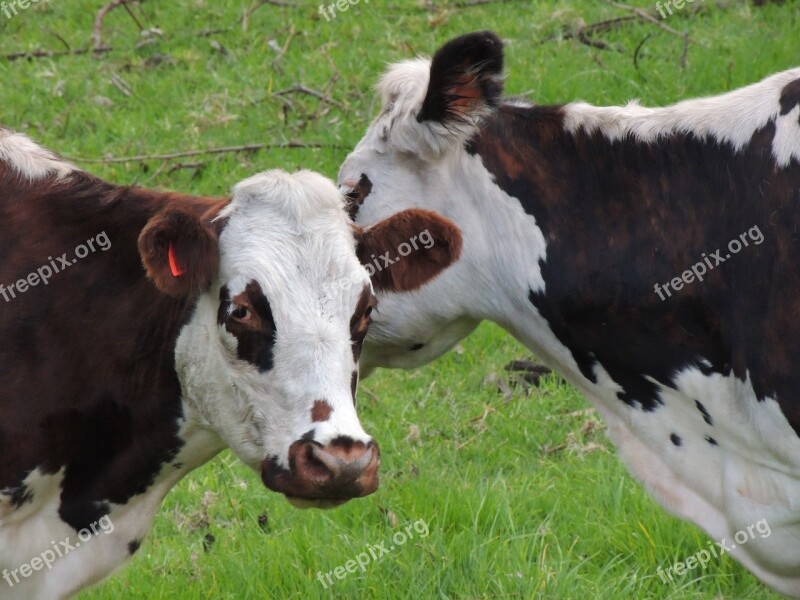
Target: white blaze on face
(271, 339)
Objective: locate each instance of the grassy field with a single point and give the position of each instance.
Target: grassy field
(515, 492)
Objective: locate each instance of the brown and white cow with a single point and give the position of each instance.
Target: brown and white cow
(142, 332)
(650, 255)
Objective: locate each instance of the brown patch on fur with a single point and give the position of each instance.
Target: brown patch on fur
(409, 272)
(87, 366)
(359, 322)
(321, 411)
(188, 228)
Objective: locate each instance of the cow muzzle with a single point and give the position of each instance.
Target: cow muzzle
(325, 476)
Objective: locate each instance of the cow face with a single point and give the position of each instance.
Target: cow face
(414, 155)
(269, 358)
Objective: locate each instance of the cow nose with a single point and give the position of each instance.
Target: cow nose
(341, 470)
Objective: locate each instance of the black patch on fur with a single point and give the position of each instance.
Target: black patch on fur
(676, 439)
(790, 96)
(20, 495)
(711, 440)
(355, 198)
(706, 416)
(620, 216)
(470, 62)
(255, 341)
(133, 546)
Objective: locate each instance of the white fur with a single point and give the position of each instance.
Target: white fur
(403, 90)
(730, 118)
(753, 474)
(29, 159)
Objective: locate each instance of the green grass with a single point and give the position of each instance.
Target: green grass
(522, 494)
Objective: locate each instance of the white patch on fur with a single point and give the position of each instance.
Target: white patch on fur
(751, 475)
(730, 118)
(29, 159)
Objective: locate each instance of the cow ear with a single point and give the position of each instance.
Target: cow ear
(408, 249)
(179, 250)
(466, 79)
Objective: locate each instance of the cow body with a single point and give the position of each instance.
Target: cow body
(143, 332)
(579, 224)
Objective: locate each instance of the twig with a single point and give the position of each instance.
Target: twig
(646, 16)
(583, 32)
(97, 30)
(133, 16)
(249, 12)
(685, 53)
(56, 35)
(585, 39)
(54, 53)
(221, 150)
(638, 48)
(301, 89)
(122, 85)
(197, 166)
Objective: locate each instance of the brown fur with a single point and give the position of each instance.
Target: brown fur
(423, 264)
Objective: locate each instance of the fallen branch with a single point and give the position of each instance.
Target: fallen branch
(583, 33)
(222, 150)
(301, 89)
(54, 53)
(649, 18)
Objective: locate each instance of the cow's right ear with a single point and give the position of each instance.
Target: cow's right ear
(408, 249)
(466, 79)
(180, 252)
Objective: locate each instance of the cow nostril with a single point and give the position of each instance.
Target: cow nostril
(333, 464)
(318, 467)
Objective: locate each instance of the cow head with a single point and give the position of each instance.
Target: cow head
(415, 155)
(269, 359)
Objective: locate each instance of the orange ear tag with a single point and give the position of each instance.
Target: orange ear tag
(173, 263)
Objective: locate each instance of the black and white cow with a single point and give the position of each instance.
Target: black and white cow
(650, 255)
(142, 332)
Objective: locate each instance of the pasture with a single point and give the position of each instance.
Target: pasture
(502, 490)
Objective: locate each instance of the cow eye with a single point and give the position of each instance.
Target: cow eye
(352, 194)
(241, 313)
(368, 312)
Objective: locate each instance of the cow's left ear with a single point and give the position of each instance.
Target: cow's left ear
(408, 249)
(466, 79)
(180, 251)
